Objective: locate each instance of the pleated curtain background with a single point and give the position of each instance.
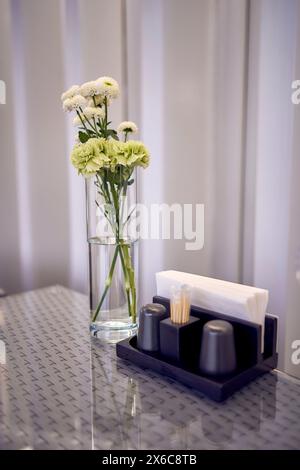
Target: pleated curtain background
(209, 83)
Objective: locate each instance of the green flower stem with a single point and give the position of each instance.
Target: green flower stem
(129, 278)
(128, 262)
(115, 197)
(106, 189)
(127, 281)
(82, 121)
(107, 283)
(125, 255)
(95, 127)
(88, 121)
(105, 108)
(99, 122)
(131, 281)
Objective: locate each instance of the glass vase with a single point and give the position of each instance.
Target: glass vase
(113, 259)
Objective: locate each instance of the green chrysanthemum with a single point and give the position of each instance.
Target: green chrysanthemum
(112, 152)
(136, 153)
(98, 153)
(90, 157)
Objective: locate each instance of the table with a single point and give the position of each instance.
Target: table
(61, 389)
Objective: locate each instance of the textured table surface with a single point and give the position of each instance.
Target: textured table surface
(61, 390)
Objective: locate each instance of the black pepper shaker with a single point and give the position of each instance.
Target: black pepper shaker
(149, 326)
(218, 355)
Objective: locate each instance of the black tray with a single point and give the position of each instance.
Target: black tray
(251, 363)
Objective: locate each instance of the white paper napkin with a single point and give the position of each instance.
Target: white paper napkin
(245, 302)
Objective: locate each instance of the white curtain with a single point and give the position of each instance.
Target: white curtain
(46, 47)
(209, 83)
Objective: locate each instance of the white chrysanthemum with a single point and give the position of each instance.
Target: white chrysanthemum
(67, 105)
(74, 90)
(90, 89)
(91, 112)
(96, 100)
(77, 121)
(108, 87)
(87, 114)
(127, 126)
(74, 103)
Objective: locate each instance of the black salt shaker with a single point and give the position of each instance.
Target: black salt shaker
(149, 321)
(218, 355)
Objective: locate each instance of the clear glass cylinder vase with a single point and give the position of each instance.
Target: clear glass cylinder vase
(113, 258)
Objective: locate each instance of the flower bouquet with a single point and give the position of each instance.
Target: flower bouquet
(108, 160)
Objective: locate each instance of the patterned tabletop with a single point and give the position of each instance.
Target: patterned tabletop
(60, 389)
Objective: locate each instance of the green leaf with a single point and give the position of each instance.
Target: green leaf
(83, 137)
(112, 133)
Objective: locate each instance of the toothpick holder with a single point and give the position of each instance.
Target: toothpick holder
(180, 342)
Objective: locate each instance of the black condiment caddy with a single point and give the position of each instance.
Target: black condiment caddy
(251, 363)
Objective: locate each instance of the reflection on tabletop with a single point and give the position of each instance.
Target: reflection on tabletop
(134, 408)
